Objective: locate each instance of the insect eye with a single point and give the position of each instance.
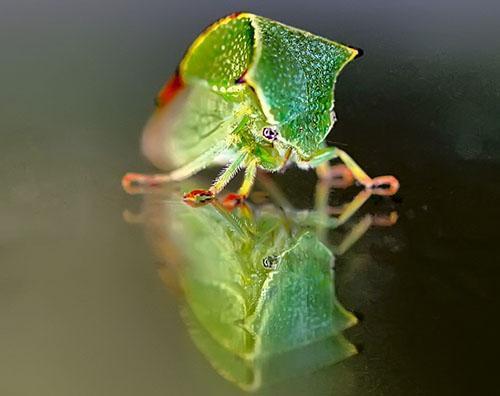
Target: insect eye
(333, 116)
(270, 262)
(270, 133)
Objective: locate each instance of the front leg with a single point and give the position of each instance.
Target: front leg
(234, 200)
(381, 185)
(202, 197)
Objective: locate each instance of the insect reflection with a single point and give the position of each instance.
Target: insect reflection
(257, 282)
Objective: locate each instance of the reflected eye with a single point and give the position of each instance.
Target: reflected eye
(270, 133)
(270, 262)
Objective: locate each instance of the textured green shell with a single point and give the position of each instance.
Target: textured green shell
(292, 73)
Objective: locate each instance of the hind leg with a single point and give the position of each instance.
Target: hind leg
(382, 185)
(139, 183)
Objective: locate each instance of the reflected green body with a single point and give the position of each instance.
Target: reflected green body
(257, 325)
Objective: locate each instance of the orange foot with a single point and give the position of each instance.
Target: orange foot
(138, 183)
(197, 198)
(233, 200)
(384, 185)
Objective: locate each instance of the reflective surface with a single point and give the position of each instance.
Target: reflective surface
(256, 283)
(82, 308)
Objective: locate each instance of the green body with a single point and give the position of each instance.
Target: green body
(245, 73)
(254, 324)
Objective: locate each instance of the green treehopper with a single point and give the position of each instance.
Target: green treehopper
(249, 93)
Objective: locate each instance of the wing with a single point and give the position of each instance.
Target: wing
(202, 104)
(191, 122)
(221, 54)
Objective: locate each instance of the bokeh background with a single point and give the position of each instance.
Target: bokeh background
(82, 309)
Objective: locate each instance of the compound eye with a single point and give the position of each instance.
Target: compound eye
(270, 133)
(270, 262)
(333, 116)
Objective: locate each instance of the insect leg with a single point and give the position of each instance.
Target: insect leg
(227, 174)
(249, 180)
(233, 200)
(134, 183)
(201, 197)
(377, 184)
(362, 226)
(354, 235)
(359, 229)
(352, 207)
(323, 210)
(321, 196)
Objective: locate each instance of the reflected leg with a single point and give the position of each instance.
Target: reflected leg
(273, 190)
(325, 220)
(354, 234)
(362, 226)
(345, 213)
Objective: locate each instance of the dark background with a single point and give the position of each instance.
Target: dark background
(82, 310)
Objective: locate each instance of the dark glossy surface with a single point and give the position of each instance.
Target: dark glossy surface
(82, 308)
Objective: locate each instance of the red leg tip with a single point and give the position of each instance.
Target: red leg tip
(133, 182)
(385, 185)
(138, 183)
(233, 200)
(197, 198)
(386, 220)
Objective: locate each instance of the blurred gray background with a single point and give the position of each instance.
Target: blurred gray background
(82, 309)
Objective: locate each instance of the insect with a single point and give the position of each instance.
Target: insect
(257, 282)
(249, 93)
